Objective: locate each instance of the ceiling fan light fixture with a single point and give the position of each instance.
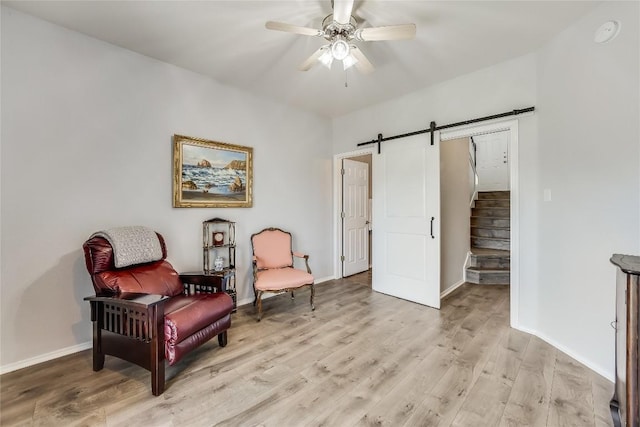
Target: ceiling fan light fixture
(326, 58)
(340, 49)
(349, 62)
(339, 29)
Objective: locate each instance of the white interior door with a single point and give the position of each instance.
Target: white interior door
(406, 225)
(492, 161)
(355, 223)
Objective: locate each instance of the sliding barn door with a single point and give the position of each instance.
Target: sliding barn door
(406, 223)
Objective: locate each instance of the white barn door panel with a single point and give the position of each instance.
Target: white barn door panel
(406, 226)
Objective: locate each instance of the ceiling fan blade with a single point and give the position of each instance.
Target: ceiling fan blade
(288, 28)
(342, 11)
(390, 32)
(363, 65)
(312, 60)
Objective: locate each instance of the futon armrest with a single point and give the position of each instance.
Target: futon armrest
(133, 315)
(130, 299)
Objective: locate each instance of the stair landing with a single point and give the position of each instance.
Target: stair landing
(489, 267)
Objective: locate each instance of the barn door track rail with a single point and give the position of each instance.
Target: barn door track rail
(433, 127)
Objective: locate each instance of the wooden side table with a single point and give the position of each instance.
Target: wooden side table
(201, 282)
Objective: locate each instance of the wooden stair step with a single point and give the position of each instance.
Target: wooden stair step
(487, 231)
(489, 203)
(490, 222)
(489, 252)
(485, 276)
(494, 212)
(489, 258)
(494, 195)
(491, 242)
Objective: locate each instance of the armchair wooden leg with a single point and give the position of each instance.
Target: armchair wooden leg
(156, 320)
(313, 294)
(98, 355)
(292, 297)
(255, 296)
(157, 378)
(259, 298)
(98, 360)
(157, 366)
(222, 339)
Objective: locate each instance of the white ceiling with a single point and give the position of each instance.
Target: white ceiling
(227, 40)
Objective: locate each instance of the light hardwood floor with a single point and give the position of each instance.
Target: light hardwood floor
(361, 358)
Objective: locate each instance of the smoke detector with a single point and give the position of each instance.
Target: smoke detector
(607, 32)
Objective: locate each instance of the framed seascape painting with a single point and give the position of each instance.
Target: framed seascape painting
(209, 174)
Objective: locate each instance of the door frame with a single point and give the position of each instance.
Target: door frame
(356, 219)
(337, 203)
(512, 127)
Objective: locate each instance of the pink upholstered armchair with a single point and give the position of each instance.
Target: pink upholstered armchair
(273, 269)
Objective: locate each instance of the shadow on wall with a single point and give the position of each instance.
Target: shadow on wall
(246, 285)
(53, 305)
(82, 287)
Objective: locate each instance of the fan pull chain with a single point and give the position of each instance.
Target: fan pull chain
(346, 75)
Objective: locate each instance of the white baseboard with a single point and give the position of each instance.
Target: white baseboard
(324, 279)
(245, 301)
(45, 357)
(467, 260)
(596, 368)
(452, 288)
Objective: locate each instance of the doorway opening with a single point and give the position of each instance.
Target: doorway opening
(494, 221)
(353, 198)
(474, 207)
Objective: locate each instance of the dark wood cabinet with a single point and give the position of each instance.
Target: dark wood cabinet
(624, 404)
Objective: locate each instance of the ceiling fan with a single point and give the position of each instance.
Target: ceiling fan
(341, 31)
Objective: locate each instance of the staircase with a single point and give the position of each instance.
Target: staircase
(489, 262)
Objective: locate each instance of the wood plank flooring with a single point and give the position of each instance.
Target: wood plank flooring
(361, 359)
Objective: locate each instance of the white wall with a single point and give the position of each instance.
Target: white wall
(589, 147)
(499, 88)
(86, 145)
(455, 212)
(582, 143)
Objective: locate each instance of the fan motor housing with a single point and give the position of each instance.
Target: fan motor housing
(334, 30)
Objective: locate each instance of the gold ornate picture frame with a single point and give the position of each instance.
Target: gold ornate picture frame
(210, 174)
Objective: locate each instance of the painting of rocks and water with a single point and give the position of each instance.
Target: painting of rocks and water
(212, 174)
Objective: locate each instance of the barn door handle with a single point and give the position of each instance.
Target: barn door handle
(432, 236)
